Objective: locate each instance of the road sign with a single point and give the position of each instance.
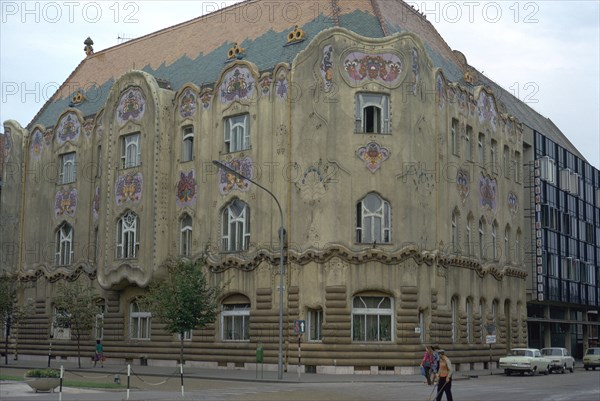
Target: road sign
(299, 326)
(491, 339)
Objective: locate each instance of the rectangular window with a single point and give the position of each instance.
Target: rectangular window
(237, 133)
(187, 335)
(372, 113)
(518, 167)
(61, 324)
(548, 169)
(139, 324)
(130, 151)
(493, 155)
(315, 324)
(454, 134)
(481, 150)
(468, 139)
(68, 172)
(506, 161)
(187, 148)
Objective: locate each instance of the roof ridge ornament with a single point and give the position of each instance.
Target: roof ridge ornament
(89, 50)
(236, 52)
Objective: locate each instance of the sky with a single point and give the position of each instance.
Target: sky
(546, 52)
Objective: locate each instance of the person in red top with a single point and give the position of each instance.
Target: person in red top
(444, 375)
(427, 364)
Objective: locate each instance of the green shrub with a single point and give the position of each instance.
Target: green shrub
(43, 373)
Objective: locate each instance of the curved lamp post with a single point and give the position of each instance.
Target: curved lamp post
(281, 238)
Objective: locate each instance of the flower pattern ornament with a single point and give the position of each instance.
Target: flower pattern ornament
(228, 182)
(384, 68)
(37, 144)
(327, 68)
(65, 202)
(186, 189)
(68, 129)
(488, 193)
(131, 106)
(373, 155)
(128, 188)
(237, 84)
(187, 107)
(463, 185)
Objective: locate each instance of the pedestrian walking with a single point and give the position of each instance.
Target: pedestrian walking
(99, 354)
(426, 364)
(444, 377)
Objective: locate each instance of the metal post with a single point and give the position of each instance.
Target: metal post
(281, 257)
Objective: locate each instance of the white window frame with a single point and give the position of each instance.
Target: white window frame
(548, 169)
(187, 335)
(64, 245)
(380, 105)
(454, 136)
(235, 230)
(468, 149)
(68, 168)
(237, 133)
(59, 333)
(131, 151)
(314, 319)
(454, 232)
(139, 322)
(367, 219)
(235, 316)
(481, 149)
(185, 235)
(128, 245)
(481, 239)
(187, 145)
(372, 315)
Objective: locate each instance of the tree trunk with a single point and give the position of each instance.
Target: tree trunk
(79, 350)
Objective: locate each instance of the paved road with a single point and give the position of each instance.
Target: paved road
(580, 386)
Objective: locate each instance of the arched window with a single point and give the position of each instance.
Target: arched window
(372, 319)
(482, 238)
(235, 318)
(139, 322)
(373, 220)
(469, 312)
(482, 318)
(237, 133)
(127, 236)
(454, 232)
(236, 227)
(99, 322)
(64, 245)
(518, 246)
(185, 241)
(454, 311)
(372, 113)
(187, 148)
(495, 240)
(468, 235)
(507, 243)
(130, 150)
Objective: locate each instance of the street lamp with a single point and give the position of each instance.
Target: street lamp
(281, 236)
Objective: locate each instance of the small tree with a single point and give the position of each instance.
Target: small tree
(77, 311)
(183, 299)
(11, 313)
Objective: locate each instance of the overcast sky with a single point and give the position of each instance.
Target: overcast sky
(545, 52)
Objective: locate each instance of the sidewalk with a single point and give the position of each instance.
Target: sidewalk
(18, 368)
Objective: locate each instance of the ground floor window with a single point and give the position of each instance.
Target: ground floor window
(139, 323)
(372, 319)
(235, 322)
(315, 324)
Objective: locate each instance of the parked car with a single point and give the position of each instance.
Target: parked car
(591, 359)
(560, 359)
(525, 360)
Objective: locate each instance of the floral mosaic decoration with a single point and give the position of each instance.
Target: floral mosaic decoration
(463, 186)
(513, 203)
(373, 155)
(131, 106)
(237, 84)
(486, 109)
(206, 99)
(37, 144)
(68, 129)
(488, 192)
(229, 182)
(88, 127)
(265, 86)
(384, 68)
(186, 189)
(187, 106)
(96, 204)
(282, 84)
(48, 136)
(327, 68)
(65, 202)
(441, 91)
(128, 188)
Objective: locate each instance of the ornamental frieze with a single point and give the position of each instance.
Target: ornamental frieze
(385, 68)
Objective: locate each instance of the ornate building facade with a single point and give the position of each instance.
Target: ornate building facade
(399, 172)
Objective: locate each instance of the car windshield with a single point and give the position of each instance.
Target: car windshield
(552, 351)
(593, 351)
(521, 352)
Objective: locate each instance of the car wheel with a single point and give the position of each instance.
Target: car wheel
(593, 368)
(572, 368)
(586, 368)
(563, 369)
(507, 372)
(548, 370)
